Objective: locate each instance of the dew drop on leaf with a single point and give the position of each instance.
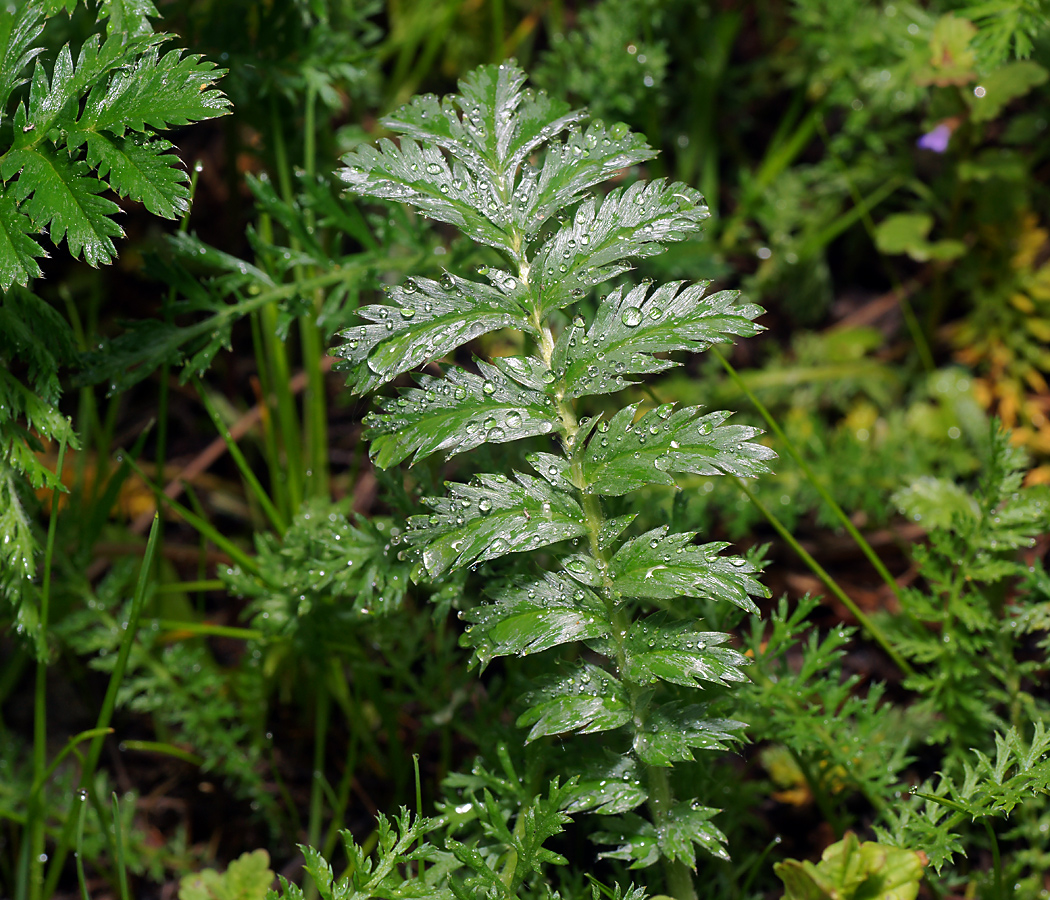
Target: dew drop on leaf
(631, 317)
(513, 419)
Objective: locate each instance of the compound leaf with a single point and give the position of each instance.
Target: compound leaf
(585, 159)
(630, 327)
(156, 92)
(431, 320)
(675, 730)
(625, 455)
(628, 222)
(128, 17)
(687, 824)
(656, 648)
(534, 617)
(64, 197)
(455, 414)
(20, 25)
(18, 251)
(587, 700)
(142, 170)
(491, 518)
(609, 786)
(666, 566)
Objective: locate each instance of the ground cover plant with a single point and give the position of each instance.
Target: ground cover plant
(465, 626)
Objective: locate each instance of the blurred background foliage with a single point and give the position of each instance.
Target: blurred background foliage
(878, 175)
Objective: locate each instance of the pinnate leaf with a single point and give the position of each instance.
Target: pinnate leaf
(585, 701)
(20, 25)
(431, 320)
(64, 197)
(675, 730)
(156, 91)
(630, 327)
(492, 126)
(656, 648)
(18, 251)
(142, 170)
(420, 175)
(586, 158)
(609, 786)
(686, 825)
(491, 518)
(534, 617)
(455, 414)
(128, 17)
(625, 455)
(628, 222)
(666, 566)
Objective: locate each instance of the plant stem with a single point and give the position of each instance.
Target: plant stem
(679, 878)
(865, 547)
(832, 585)
(37, 808)
(109, 703)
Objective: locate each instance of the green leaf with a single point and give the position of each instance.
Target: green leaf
(629, 328)
(156, 92)
(569, 169)
(656, 648)
(674, 730)
(20, 25)
(455, 414)
(1002, 85)
(850, 870)
(624, 455)
(667, 567)
(629, 222)
(638, 841)
(492, 127)
(418, 174)
(935, 502)
(128, 17)
(490, 131)
(247, 878)
(142, 170)
(587, 700)
(18, 251)
(534, 617)
(907, 232)
(17, 544)
(491, 518)
(609, 786)
(688, 824)
(431, 320)
(64, 197)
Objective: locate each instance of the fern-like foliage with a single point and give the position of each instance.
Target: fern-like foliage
(86, 125)
(516, 170)
(988, 787)
(72, 129)
(959, 626)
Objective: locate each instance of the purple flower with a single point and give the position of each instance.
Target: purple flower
(936, 140)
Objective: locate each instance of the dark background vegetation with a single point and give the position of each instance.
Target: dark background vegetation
(906, 280)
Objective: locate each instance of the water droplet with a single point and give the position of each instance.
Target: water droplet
(631, 317)
(484, 504)
(513, 419)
